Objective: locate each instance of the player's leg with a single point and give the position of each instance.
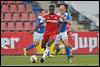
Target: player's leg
(47, 50)
(44, 40)
(50, 41)
(71, 49)
(71, 42)
(43, 43)
(28, 48)
(67, 46)
(57, 42)
(34, 44)
(56, 48)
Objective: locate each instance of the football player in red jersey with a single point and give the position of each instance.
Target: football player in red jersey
(51, 30)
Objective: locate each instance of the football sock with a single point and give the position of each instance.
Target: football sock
(30, 47)
(68, 52)
(46, 52)
(57, 50)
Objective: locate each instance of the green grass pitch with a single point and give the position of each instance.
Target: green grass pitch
(59, 60)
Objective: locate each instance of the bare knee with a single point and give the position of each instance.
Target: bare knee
(66, 43)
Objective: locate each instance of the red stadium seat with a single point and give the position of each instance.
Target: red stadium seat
(27, 26)
(3, 2)
(19, 26)
(21, 8)
(24, 16)
(11, 26)
(2, 16)
(29, 8)
(32, 17)
(11, 2)
(5, 8)
(19, 2)
(3, 26)
(16, 17)
(8, 17)
(13, 8)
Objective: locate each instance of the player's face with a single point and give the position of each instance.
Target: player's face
(62, 9)
(43, 13)
(51, 10)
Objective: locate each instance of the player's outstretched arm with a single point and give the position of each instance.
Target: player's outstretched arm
(41, 22)
(36, 28)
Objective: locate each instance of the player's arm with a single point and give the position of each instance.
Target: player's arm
(41, 22)
(60, 20)
(65, 19)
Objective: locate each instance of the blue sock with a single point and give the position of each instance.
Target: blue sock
(58, 49)
(48, 53)
(30, 47)
(68, 52)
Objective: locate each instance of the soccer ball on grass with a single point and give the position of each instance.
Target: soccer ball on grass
(33, 59)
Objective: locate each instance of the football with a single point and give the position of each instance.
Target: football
(33, 59)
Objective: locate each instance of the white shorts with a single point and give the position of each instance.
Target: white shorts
(61, 35)
(37, 36)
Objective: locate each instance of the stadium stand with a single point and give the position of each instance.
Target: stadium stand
(27, 26)
(11, 26)
(13, 8)
(27, 11)
(4, 8)
(21, 8)
(3, 26)
(16, 16)
(8, 16)
(19, 26)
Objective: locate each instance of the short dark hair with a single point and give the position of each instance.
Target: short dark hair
(41, 10)
(66, 5)
(51, 6)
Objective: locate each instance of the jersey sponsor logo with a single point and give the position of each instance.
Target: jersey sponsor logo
(52, 21)
(55, 18)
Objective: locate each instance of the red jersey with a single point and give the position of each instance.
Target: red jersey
(51, 22)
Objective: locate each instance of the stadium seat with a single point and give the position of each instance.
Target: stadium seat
(8, 17)
(19, 2)
(11, 26)
(3, 26)
(24, 16)
(19, 26)
(5, 8)
(13, 8)
(11, 2)
(29, 8)
(16, 17)
(32, 17)
(2, 16)
(3, 2)
(27, 26)
(21, 8)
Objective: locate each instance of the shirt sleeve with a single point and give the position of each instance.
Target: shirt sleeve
(42, 20)
(69, 17)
